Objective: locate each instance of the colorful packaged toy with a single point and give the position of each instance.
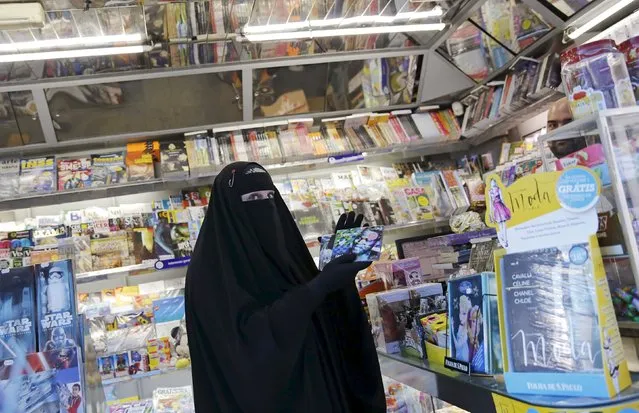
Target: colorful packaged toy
(17, 312)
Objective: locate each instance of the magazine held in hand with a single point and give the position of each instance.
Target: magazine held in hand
(555, 310)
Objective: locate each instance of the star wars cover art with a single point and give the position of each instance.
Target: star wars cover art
(17, 312)
(57, 321)
(42, 382)
(365, 243)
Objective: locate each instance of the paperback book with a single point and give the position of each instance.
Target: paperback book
(173, 160)
(140, 160)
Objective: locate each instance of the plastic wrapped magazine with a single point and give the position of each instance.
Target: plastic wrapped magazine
(365, 243)
(173, 400)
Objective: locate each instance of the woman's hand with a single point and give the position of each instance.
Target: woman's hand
(338, 273)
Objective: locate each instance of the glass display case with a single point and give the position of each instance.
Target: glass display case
(608, 143)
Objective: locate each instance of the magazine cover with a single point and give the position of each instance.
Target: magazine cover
(37, 175)
(419, 206)
(365, 243)
(538, 286)
(181, 240)
(74, 173)
(21, 245)
(168, 313)
(436, 192)
(140, 159)
(9, 174)
(467, 330)
(108, 169)
(43, 382)
(308, 215)
(173, 159)
(142, 406)
(17, 312)
(57, 320)
(143, 244)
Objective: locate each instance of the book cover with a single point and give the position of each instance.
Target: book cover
(74, 173)
(57, 319)
(365, 243)
(37, 175)
(140, 159)
(9, 174)
(173, 160)
(198, 153)
(143, 244)
(17, 312)
(181, 245)
(436, 191)
(549, 300)
(419, 206)
(467, 329)
(456, 188)
(108, 169)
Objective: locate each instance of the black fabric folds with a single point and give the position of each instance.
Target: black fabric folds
(262, 339)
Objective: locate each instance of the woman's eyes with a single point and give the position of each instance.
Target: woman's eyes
(258, 195)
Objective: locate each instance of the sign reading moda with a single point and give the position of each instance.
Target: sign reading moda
(558, 328)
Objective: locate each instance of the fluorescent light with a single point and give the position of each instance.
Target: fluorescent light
(603, 15)
(70, 42)
(269, 28)
(69, 54)
(434, 12)
(617, 27)
(345, 31)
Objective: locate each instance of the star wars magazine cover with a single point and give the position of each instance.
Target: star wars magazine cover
(42, 382)
(17, 312)
(57, 320)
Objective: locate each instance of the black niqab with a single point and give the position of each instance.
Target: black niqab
(261, 338)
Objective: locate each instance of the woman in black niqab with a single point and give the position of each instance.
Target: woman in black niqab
(267, 331)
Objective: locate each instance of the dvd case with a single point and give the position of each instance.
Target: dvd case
(17, 312)
(57, 319)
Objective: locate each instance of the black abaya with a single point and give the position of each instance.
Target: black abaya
(262, 336)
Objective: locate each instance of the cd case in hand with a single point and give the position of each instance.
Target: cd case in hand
(365, 243)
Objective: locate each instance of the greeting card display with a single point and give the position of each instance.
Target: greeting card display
(57, 320)
(558, 327)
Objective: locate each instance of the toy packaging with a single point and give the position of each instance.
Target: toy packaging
(121, 364)
(108, 169)
(74, 173)
(159, 350)
(17, 312)
(173, 159)
(473, 334)
(391, 311)
(9, 174)
(57, 320)
(49, 381)
(106, 367)
(37, 175)
(140, 160)
(365, 243)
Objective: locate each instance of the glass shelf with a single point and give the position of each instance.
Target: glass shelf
(475, 393)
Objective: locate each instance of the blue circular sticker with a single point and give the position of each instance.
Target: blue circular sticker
(578, 255)
(577, 189)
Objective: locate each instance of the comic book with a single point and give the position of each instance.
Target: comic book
(74, 173)
(108, 169)
(173, 160)
(9, 174)
(37, 175)
(57, 319)
(49, 381)
(17, 312)
(365, 243)
(140, 159)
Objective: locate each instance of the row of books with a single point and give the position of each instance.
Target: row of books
(200, 153)
(529, 81)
